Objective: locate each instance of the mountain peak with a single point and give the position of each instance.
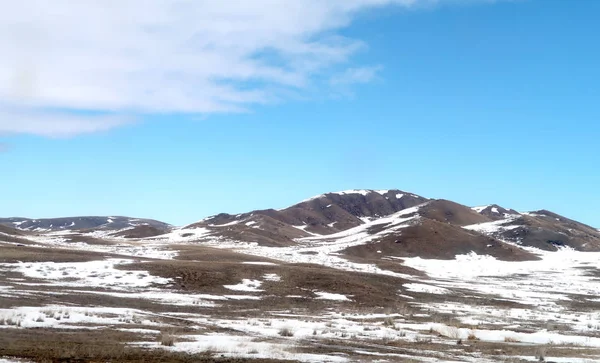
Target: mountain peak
(494, 211)
(364, 192)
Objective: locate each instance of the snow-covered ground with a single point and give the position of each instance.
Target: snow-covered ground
(85, 274)
(525, 304)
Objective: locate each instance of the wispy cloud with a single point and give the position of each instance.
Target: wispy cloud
(355, 75)
(53, 123)
(146, 56)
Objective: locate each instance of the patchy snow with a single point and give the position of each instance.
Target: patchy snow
(495, 226)
(93, 273)
(324, 249)
(480, 208)
(303, 229)
(183, 235)
(532, 214)
(271, 277)
(399, 195)
(550, 358)
(507, 302)
(544, 284)
(246, 285)
(69, 317)
(541, 337)
(244, 347)
(330, 296)
(232, 223)
(363, 192)
(429, 289)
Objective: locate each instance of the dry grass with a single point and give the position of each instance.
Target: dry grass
(57, 346)
(167, 339)
(389, 321)
(472, 336)
(511, 340)
(370, 294)
(367, 290)
(13, 254)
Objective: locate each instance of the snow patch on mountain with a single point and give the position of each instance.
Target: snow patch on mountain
(494, 227)
(363, 192)
(480, 208)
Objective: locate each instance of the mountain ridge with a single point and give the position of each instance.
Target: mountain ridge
(441, 228)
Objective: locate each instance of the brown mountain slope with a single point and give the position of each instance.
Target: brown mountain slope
(446, 211)
(342, 210)
(80, 223)
(437, 233)
(325, 214)
(549, 231)
(10, 231)
(438, 240)
(496, 212)
(11, 235)
(141, 231)
(256, 227)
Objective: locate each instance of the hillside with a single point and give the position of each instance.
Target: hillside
(346, 277)
(440, 229)
(81, 224)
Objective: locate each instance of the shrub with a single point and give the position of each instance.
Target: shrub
(286, 332)
(423, 340)
(540, 354)
(167, 340)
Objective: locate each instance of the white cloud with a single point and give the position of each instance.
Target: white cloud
(355, 75)
(56, 123)
(147, 56)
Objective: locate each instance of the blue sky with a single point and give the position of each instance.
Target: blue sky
(478, 102)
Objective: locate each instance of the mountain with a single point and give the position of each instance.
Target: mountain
(446, 211)
(87, 224)
(333, 212)
(321, 215)
(544, 230)
(394, 224)
(375, 223)
(385, 272)
(436, 231)
(364, 224)
(495, 211)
